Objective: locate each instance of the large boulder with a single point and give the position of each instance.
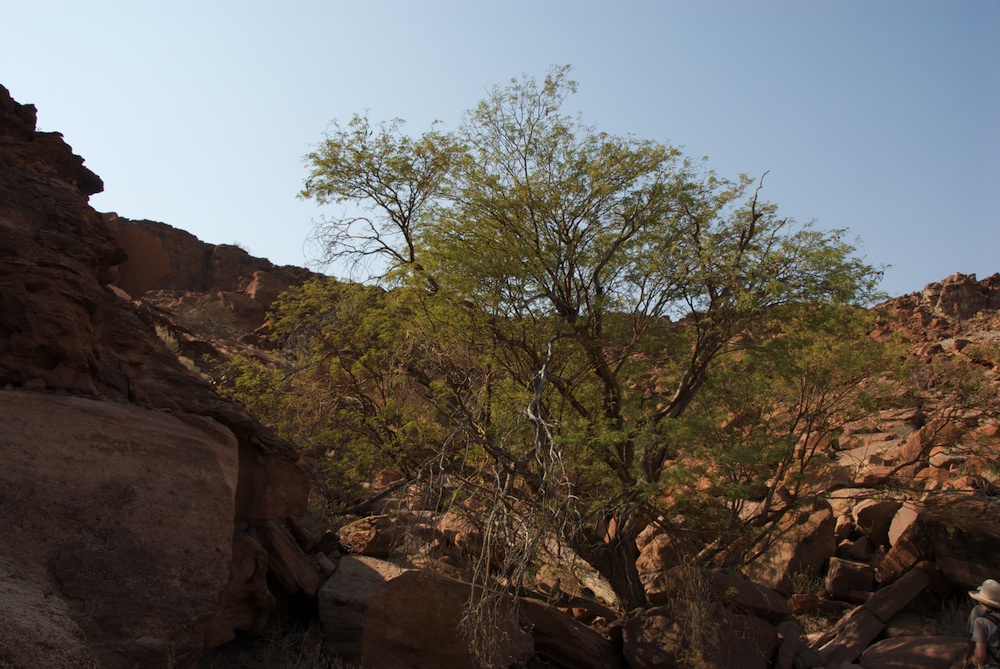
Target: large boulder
(875, 516)
(905, 516)
(414, 621)
(126, 513)
(345, 598)
(374, 536)
(849, 580)
(803, 543)
(961, 534)
(659, 554)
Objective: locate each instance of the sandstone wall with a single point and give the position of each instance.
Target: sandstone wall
(67, 332)
(162, 257)
(126, 512)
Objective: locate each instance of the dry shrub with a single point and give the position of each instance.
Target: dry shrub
(293, 648)
(700, 618)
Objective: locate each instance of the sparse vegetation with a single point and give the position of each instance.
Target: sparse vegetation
(805, 583)
(277, 648)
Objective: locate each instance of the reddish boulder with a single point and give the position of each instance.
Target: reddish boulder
(849, 580)
(874, 516)
(745, 595)
(926, 652)
(414, 621)
(961, 534)
(137, 536)
(344, 600)
(374, 536)
(659, 554)
(903, 519)
(802, 544)
(803, 603)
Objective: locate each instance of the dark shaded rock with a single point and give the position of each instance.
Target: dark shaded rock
(65, 330)
(110, 505)
(926, 652)
(36, 629)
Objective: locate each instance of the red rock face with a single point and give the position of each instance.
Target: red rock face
(943, 309)
(140, 559)
(55, 256)
(65, 331)
(161, 257)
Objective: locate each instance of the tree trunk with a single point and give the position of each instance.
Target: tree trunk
(613, 555)
(624, 575)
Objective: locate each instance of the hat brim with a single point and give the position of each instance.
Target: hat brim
(982, 599)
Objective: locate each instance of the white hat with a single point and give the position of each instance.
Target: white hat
(988, 593)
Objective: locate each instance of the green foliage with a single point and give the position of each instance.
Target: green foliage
(536, 265)
(386, 173)
(337, 383)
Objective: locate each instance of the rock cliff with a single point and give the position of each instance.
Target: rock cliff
(127, 481)
(162, 257)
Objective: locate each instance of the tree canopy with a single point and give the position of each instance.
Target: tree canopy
(601, 320)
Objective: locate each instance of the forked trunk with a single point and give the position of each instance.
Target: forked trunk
(613, 554)
(624, 575)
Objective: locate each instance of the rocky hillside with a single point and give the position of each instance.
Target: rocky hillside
(149, 522)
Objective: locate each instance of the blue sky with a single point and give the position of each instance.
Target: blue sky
(880, 117)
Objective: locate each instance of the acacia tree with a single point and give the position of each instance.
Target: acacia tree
(568, 251)
(392, 178)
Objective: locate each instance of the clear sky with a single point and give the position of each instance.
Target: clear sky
(876, 116)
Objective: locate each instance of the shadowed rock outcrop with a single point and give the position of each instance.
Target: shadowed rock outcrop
(128, 520)
(130, 510)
